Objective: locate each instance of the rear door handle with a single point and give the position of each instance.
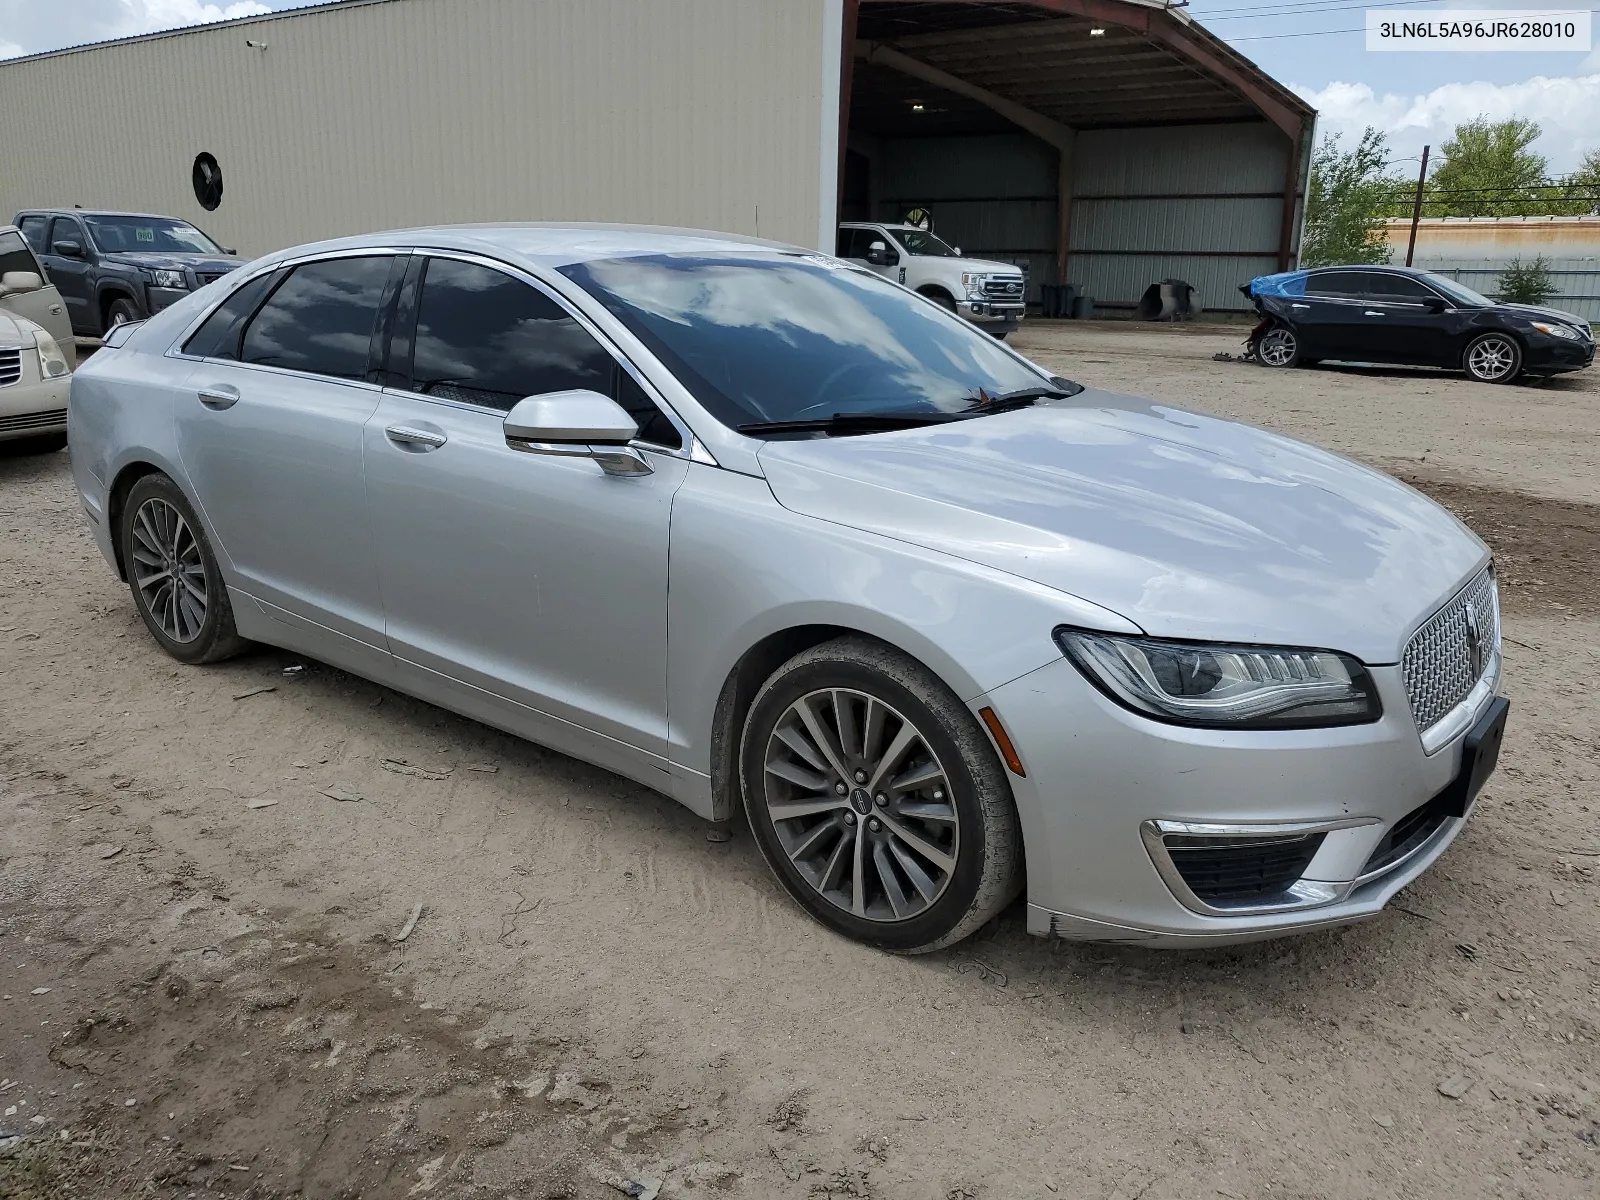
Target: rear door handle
(1370, 313)
(1299, 306)
(421, 439)
(219, 397)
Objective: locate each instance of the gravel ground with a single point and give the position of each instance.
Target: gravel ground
(204, 991)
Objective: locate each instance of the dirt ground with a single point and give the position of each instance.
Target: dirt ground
(204, 991)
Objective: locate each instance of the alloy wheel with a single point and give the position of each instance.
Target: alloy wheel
(1492, 358)
(1277, 347)
(169, 571)
(861, 805)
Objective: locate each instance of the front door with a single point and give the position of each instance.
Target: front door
(1408, 328)
(72, 274)
(270, 429)
(43, 305)
(536, 580)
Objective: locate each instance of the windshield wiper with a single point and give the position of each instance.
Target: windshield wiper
(848, 423)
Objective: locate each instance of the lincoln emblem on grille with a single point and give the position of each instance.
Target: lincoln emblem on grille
(1474, 641)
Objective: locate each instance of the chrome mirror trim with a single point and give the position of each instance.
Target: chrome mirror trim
(613, 460)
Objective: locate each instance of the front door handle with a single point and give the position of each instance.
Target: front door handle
(219, 397)
(419, 439)
(1299, 306)
(1370, 313)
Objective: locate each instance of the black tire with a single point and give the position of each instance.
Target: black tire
(1000, 331)
(943, 299)
(211, 638)
(122, 311)
(1493, 358)
(1279, 348)
(985, 837)
(44, 443)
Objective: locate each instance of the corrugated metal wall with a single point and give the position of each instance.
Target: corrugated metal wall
(711, 113)
(992, 195)
(1576, 280)
(1199, 202)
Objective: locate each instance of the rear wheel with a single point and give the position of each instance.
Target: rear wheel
(877, 800)
(1279, 347)
(173, 575)
(44, 443)
(1494, 358)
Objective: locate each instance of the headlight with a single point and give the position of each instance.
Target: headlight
(1560, 331)
(1225, 687)
(169, 279)
(52, 363)
(973, 281)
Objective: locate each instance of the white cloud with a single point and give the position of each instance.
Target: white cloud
(1563, 106)
(148, 16)
(9, 50)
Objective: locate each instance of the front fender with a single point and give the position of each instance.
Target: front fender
(744, 568)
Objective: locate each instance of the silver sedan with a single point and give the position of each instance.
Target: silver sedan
(766, 532)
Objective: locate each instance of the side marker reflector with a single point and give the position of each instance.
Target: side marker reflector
(1003, 741)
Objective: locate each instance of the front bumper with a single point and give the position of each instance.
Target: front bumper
(158, 298)
(33, 406)
(1104, 785)
(988, 311)
(1546, 355)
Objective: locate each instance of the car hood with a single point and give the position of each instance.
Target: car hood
(1554, 314)
(15, 330)
(209, 263)
(1190, 526)
(985, 264)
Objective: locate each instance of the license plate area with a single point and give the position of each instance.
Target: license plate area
(1480, 753)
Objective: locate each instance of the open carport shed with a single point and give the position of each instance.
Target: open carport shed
(1107, 143)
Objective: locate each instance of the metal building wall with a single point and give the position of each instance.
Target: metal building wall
(1202, 203)
(362, 116)
(994, 195)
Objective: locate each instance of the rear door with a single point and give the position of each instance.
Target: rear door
(270, 432)
(72, 275)
(43, 306)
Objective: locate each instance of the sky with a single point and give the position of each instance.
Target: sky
(1317, 47)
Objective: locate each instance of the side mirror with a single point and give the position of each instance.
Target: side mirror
(879, 255)
(230, 251)
(1434, 305)
(69, 249)
(957, 249)
(577, 424)
(20, 281)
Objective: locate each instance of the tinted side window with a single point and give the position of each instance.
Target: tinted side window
(320, 320)
(1335, 283)
(33, 229)
(218, 336)
(486, 338)
(15, 255)
(1402, 286)
(65, 229)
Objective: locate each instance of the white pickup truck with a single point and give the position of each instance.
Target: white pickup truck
(989, 294)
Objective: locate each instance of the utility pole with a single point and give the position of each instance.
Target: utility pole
(1416, 209)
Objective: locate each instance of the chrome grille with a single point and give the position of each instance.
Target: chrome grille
(41, 420)
(1003, 288)
(1438, 664)
(10, 366)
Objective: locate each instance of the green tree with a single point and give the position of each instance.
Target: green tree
(1526, 283)
(1346, 203)
(1489, 170)
(1583, 185)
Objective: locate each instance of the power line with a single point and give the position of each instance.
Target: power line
(1234, 14)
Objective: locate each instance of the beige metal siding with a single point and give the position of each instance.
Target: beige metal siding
(707, 113)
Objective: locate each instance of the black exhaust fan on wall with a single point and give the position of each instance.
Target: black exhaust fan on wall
(207, 181)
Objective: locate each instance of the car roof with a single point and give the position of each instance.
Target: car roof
(553, 244)
(1369, 267)
(92, 212)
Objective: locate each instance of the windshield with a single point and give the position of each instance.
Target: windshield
(1460, 293)
(923, 245)
(801, 337)
(143, 235)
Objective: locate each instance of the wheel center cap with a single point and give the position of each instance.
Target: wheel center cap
(861, 801)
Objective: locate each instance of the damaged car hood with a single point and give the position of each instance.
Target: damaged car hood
(1190, 526)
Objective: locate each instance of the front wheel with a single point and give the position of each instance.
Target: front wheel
(1494, 358)
(121, 312)
(877, 800)
(1279, 347)
(173, 575)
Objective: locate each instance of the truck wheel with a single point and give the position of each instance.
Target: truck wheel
(120, 313)
(942, 299)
